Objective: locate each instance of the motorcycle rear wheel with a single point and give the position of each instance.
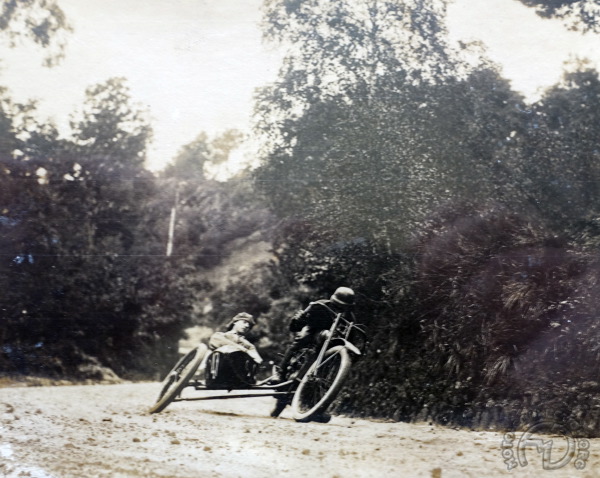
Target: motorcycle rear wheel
(320, 386)
(178, 377)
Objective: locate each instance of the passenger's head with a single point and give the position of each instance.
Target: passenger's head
(343, 296)
(241, 323)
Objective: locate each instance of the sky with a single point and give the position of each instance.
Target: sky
(531, 51)
(196, 63)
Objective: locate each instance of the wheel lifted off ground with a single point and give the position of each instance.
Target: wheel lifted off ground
(178, 377)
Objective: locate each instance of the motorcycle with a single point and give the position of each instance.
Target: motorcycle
(313, 379)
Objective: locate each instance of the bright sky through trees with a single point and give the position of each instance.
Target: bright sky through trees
(195, 63)
(532, 51)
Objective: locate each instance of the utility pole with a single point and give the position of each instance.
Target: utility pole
(172, 224)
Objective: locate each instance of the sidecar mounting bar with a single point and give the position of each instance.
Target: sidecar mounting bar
(221, 397)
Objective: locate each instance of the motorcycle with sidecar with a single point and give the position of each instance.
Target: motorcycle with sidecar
(314, 377)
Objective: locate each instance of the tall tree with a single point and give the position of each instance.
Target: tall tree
(113, 130)
(373, 104)
(342, 51)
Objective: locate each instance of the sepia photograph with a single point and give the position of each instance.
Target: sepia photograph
(299, 238)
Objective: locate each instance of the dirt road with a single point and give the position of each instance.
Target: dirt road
(105, 431)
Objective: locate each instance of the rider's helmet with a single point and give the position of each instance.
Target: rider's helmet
(343, 296)
(242, 316)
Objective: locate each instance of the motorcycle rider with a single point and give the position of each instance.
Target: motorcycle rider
(312, 322)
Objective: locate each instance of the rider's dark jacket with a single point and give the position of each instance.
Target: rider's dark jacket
(319, 315)
(307, 324)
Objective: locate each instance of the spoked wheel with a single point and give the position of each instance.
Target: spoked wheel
(321, 385)
(178, 377)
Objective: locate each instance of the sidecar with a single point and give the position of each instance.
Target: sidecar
(221, 369)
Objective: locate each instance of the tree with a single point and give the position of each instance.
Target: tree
(85, 271)
(342, 51)
(193, 159)
(577, 14)
(190, 160)
(114, 131)
(377, 168)
(223, 144)
(41, 21)
(375, 120)
(553, 161)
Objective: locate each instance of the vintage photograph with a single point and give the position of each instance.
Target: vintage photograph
(299, 238)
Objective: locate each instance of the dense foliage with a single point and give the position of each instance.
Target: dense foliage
(80, 271)
(464, 218)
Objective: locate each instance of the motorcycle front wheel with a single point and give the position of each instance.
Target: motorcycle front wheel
(296, 369)
(321, 385)
(178, 377)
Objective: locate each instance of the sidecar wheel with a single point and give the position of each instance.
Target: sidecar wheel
(178, 377)
(319, 387)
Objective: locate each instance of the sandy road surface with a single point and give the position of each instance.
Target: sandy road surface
(105, 431)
